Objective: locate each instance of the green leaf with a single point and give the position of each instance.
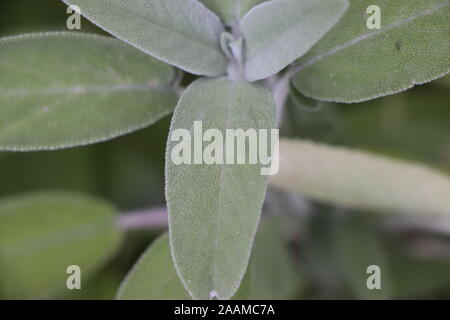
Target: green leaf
(271, 273)
(153, 277)
(62, 90)
(356, 179)
(231, 11)
(353, 63)
(359, 247)
(282, 31)
(214, 209)
(41, 234)
(183, 33)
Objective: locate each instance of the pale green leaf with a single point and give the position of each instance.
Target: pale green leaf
(231, 11)
(358, 248)
(271, 273)
(60, 90)
(41, 234)
(279, 32)
(183, 33)
(353, 63)
(214, 209)
(357, 179)
(153, 277)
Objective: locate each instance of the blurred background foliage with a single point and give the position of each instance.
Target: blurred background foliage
(333, 246)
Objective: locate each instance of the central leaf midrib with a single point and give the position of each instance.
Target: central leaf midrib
(82, 89)
(55, 239)
(219, 200)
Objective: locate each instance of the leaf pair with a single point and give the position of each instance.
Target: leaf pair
(184, 33)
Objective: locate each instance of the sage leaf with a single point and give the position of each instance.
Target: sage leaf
(231, 11)
(353, 63)
(214, 209)
(153, 277)
(183, 33)
(42, 234)
(60, 90)
(279, 32)
(271, 273)
(361, 180)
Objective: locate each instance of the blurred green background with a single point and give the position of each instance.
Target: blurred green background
(330, 244)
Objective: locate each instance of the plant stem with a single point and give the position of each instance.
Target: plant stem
(280, 91)
(155, 218)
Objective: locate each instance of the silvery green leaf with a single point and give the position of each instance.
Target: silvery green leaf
(279, 32)
(214, 209)
(271, 273)
(61, 90)
(183, 33)
(42, 234)
(354, 63)
(361, 180)
(153, 277)
(231, 11)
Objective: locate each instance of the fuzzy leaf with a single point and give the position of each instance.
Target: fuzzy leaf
(279, 32)
(231, 11)
(153, 277)
(41, 234)
(61, 90)
(183, 33)
(270, 274)
(361, 180)
(354, 63)
(214, 209)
